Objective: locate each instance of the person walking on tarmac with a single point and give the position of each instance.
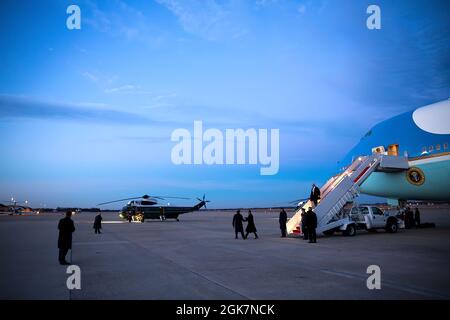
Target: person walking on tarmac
(311, 225)
(315, 194)
(283, 220)
(66, 227)
(98, 223)
(129, 217)
(303, 224)
(237, 224)
(251, 228)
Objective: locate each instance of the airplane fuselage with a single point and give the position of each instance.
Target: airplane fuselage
(427, 179)
(421, 136)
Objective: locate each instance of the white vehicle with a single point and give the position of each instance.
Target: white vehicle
(371, 218)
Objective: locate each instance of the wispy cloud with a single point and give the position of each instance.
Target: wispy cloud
(208, 19)
(128, 89)
(119, 19)
(28, 107)
(263, 3)
(99, 78)
(89, 76)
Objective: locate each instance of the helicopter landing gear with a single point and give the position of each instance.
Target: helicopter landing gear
(139, 218)
(178, 220)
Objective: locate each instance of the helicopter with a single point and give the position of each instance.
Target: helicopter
(148, 207)
(16, 207)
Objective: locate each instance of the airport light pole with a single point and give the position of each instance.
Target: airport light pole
(14, 204)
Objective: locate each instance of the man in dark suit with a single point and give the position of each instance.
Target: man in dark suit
(315, 194)
(283, 220)
(237, 224)
(303, 225)
(311, 225)
(66, 227)
(417, 217)
(98, 223)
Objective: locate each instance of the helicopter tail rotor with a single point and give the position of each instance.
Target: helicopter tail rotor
(203, 202)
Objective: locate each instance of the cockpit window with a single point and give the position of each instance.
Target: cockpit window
(368, 134)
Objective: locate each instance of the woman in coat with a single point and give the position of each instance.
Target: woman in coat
(251, 228)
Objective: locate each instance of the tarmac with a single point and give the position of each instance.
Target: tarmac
(198, 258)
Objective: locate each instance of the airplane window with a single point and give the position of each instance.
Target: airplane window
(445, 146)
(438, 147)
(430, 148)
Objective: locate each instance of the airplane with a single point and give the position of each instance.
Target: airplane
(404, 158)
(421, 137)
(147, 207)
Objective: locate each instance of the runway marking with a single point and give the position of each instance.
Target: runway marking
(390, 284)
(103, 222)
(114, 221)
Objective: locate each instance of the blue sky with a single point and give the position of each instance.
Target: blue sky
(86, 115)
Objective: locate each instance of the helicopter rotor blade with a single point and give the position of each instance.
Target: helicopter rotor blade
(145, 196)
(167, 197)
(100, 204)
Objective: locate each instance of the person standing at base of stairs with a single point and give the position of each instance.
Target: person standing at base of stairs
(315, 194)
(303, 224)
(417, 217)
(409, 218)
(283, 220)
(311, 225)
(237, 224)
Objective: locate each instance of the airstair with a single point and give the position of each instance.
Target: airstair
(341, 189)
